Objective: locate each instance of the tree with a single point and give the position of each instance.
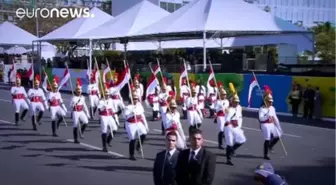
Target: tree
(325, 42)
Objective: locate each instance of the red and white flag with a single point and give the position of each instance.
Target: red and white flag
(211, 79)
(106, 70)
(124, 78)
(66, 77)
(153, 82)
(31, 72)
(253, 84)
(156, 69)
(13, 72)
(184, 74)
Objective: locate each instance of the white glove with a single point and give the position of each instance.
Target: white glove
(64, 108)
(88, 115)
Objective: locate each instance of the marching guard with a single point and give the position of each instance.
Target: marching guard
(173, 124)
(117, 100)
(37, 99)
(234, 135)
(107, 120)
(138, 89)
(163, 100)
(154, 103)
(136, 125)
(19, 96)
(269, 123)
(212, 98)
(94, 95)
(57, 107)
(193, 112)
(201, 92)
(221, 108)
(80, 112)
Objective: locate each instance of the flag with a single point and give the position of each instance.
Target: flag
(152, 84)
(156, 69)
(13, 72)
(88, 75)
(45, 82)
(184, 74)
(31, 72)
(66, 77)
(253, 84)
(124, 79)
(106, 70)
(211, 79)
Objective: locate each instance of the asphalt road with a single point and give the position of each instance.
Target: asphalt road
(34, 157)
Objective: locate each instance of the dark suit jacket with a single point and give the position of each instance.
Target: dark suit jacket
(165, 175)
(205, 172)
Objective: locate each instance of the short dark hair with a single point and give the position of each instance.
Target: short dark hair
(196, 131)
(171, 133)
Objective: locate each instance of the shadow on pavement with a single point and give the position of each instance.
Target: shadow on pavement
(114, 168)
(37, 141)
(89, 156)
(297, 120)
(23, 134)
(68, 149)
(56, 164)
(11, 147)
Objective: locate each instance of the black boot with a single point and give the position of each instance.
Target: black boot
(91, 112)
(184, 114)
(266, 146)
(235, 147)
(162, 129)
(53, 128)
(191, 129)
(39, 117)
(229, 150)
(142, 139)
(220, 140)
(131, 150)
(103, 137)
(272, 144)
(16, 119)
(33, 122)
(212, 113)
(23, 115)
(94, 110)
(109, 139)
(83, 127)
(59, 121)
(75, 134)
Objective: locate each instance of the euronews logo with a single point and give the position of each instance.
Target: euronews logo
(54, 13)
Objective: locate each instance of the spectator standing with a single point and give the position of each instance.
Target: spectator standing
(295, 100)
(318, 104)
(309, 96)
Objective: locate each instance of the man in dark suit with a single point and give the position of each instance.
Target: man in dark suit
(195, 166)
(164, 166)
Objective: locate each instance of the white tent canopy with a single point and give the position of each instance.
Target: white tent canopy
(78, 26)
(300, 40)
(12, 35)
(17, 50)
(227, 18)
(129, 22)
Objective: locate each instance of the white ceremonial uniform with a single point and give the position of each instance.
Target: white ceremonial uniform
(139, 92)
(194, 114)
(136, 122)
(163, 97)
(19, 95)
(200, 93)
(220, 107)
(155, 101)
(173, 123)
(269, 122)
(117, 101)
(212, 96)
(106, 111)
(56, 105)
(94, 94)
(37, 99)
(184, 94)
(232, 131)
(80, 110)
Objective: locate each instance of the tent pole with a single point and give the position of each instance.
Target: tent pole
(90, 57)
(221, 43)
(125, 50)
(40, 55)
(204, 51)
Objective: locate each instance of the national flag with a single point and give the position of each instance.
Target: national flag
(152, 84)
(106, 70)
(211, 79)
(124, 78)
(156, 69)
(66, 77)
(184, 74)
(45, 82)
(253, 84)
(13, 72)
(31, 72)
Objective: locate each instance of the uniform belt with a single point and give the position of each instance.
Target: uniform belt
(192, 108)
(234, 123)
(94, 92)
(115, 97)
(106, 112)
(134, 119)
(18, 96)
(268, 121)
(164, 104)
(36, 99)
(78, 108)
(220, 113)
(55, 103)
(172, 127)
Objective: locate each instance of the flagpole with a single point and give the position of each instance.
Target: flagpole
(164, 83)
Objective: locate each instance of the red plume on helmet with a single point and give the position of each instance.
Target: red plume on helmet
(18, 75)
(219, 84)
(37, 77)
(137, 77)
(56, 79)
(107, 85)
(267, 90)
(79, 82)
(184, 81)
(212, 83)
(165, 80)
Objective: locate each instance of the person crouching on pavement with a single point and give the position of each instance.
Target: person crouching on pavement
(57, 107)
(80, 112)
(173, 124)
(136, 125)
(19, 96)
(234, 135)
(107, 122)
(37, 98)
(264, 174)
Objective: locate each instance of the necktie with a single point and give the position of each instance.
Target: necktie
(192, 157)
